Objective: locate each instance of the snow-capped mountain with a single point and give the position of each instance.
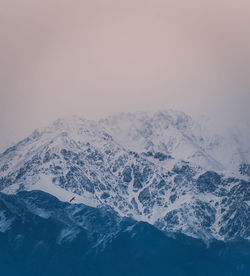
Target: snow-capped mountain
(163, 168)
(177, 134)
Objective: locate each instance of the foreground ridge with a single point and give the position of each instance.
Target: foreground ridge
(41, 235)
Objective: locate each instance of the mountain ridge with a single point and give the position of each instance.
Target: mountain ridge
(49, 237)
(158, 167)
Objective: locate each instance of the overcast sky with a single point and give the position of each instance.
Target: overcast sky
(99, 57)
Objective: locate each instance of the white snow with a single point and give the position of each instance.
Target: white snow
(44, 183)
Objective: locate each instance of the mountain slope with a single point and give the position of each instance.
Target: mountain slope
(160, 168)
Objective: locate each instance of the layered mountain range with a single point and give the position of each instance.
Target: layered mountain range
(163, 168)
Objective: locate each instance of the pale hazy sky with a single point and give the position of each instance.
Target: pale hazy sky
(98, 57)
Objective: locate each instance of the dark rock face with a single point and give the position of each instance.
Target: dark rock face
(127, 177)
(236, 215)
(245, 169)
(161, 156)
(208, 182)
(145, 197)
(43, 236)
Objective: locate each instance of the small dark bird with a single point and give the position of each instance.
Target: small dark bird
(72, 199)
